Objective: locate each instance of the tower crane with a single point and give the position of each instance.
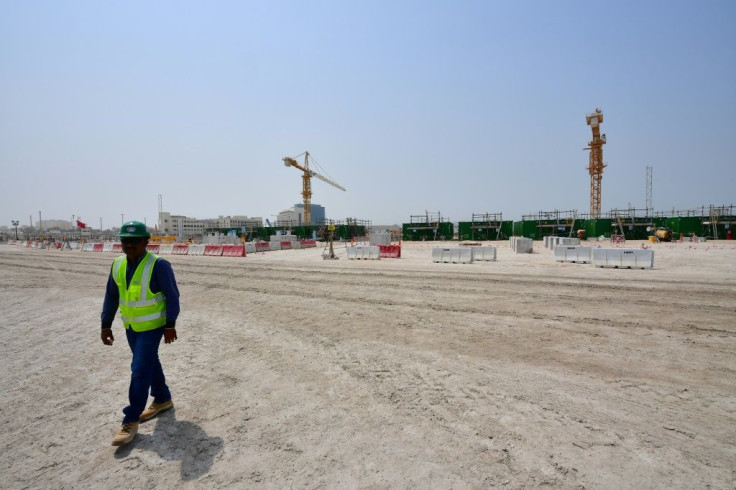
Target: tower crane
(595, 165)
(307, 182)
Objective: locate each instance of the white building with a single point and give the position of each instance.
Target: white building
(186, 227)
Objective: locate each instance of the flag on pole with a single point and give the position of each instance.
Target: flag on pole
(81, 225)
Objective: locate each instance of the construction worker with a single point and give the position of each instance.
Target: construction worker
(143, 287)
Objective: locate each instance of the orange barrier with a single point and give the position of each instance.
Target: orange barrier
(180, 249)
(97, 247)
(153, 247)
(117, 247)
(390, 251)
(263, 247)
(286, 245)
(211, 249)
(233, 251)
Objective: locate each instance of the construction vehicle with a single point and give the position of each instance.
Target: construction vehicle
(663, 234)
(307, 182)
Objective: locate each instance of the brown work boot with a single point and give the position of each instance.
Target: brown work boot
(126, 434)
(154, 409)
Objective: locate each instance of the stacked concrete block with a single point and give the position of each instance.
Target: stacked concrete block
(521, 245)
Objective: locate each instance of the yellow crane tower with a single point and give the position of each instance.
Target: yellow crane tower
(307, 182)
(595, 165)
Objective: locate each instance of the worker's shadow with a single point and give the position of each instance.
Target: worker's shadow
(177, 440)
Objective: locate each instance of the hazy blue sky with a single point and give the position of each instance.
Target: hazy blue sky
(457, 107)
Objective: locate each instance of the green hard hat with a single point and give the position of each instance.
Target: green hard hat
(133, 229)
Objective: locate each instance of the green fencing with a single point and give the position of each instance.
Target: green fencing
(469, 230)
(427, 231)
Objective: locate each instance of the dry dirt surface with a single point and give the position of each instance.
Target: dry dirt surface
(294, 371)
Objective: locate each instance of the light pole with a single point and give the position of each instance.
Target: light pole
(15, 223)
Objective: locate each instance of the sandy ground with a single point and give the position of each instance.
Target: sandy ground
(291, 371)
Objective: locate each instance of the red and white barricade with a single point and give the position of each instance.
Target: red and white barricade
(233, 251)
(180, 249)
(390, 251)
(213, 249)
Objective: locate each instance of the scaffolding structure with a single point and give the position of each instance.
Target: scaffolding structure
(481, 223)
(550, 223)
(428, 226)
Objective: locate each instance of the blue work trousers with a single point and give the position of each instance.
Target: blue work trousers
(146, 372)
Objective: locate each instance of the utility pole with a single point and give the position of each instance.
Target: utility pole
(650, 208)
(121, 219)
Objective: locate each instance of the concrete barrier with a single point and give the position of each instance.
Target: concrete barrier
(573, 254)
(455, 255)
(623, 258)
(521, 245)
(153, 247)
(483, 253)
(250, 247)
(166, 249)
(196, 249)
(363, 252)
(107, 247)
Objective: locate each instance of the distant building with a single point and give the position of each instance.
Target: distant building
(295, 216)
(317, 212)
(186, 227)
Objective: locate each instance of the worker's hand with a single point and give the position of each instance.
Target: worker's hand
(106, 336)
(169, 335)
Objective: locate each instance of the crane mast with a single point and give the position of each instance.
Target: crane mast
(307, 175)
(595, 163)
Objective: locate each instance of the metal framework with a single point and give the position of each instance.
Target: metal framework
(484, 221)
(555, 220)
(595, 163)
(307, 175)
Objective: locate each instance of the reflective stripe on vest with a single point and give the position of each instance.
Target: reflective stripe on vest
(140, 309)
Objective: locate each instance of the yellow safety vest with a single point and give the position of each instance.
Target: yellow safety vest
(140, 309)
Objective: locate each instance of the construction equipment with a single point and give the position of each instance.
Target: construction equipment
(663, 234)
(331, 254)
(307, 182)
(595, 164)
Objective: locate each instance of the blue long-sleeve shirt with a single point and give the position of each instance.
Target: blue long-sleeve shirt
(162, 280)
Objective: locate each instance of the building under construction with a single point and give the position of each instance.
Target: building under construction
(713, 222)
(485, 226)
(429, 226)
